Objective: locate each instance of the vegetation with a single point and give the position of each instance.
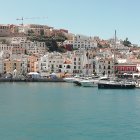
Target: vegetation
(99, 45)
(127, 43)
(51, 42)
(4, 41)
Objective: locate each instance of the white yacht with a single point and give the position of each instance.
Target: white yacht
(89, 83)
(70, 79)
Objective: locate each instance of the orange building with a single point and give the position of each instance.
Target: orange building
(32, 65)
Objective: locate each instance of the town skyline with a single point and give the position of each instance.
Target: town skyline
(91, 17)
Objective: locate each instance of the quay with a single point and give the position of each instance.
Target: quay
(32, 80)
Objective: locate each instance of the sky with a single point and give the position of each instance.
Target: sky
(88, 17)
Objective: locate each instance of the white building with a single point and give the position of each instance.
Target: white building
(67, 67)
(82, 42)
(43, 64)
(77, 62)
(104, 66)
(5, 47)
(55, 62)
(18, 40)
(51, 62)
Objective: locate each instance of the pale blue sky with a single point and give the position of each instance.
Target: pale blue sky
(88, 17)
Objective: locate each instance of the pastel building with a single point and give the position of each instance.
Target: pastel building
(32, 65)
(10, 65)
(125, 68)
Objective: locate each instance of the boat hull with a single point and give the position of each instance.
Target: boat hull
(77, 83)
(115, 86)
(89, 84)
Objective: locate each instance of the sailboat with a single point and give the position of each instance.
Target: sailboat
(114, 83)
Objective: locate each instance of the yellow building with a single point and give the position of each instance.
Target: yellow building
(11, 65)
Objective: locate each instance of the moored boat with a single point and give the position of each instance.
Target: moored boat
(89, 83)
(71, 79)
(116, 85)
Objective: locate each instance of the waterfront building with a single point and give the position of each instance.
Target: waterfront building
(104, 66)
(128, 68)
(32, 63)
(12, 64)
(67, 67)
(55, 61)
(77, 62)
(44, 65)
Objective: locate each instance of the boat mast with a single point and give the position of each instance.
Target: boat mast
(114, 55)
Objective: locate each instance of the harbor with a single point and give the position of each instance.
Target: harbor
(62, 111)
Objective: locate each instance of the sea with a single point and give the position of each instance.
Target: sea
(63, 111)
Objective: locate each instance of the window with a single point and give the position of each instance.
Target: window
(68, 66)
(60, 66)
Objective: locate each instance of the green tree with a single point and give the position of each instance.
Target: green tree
(126, 42)
(99, 45)
(42, 32)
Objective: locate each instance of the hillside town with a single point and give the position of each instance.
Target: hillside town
(45, 50)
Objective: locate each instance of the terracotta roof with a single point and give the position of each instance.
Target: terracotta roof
(67, 62)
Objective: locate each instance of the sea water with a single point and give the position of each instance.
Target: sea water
(62, 111)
